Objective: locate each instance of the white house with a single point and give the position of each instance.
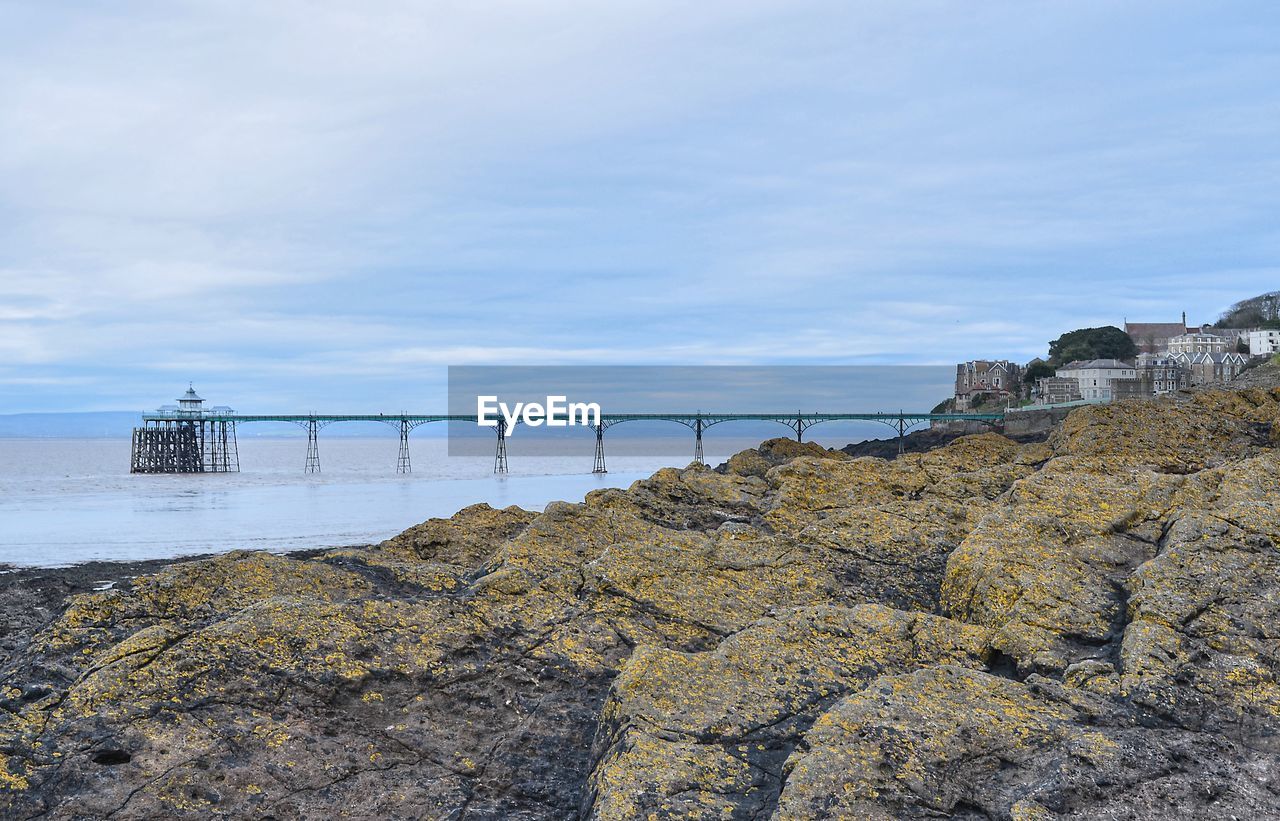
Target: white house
(1096, 375)
(1264, 343)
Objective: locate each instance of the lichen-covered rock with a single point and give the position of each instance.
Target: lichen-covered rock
(1045, 567)
(697, 498)
(953, 742)
(689, 590)
(723, 722)
(774, 452)
(1084, 628)
(467, 538)
(1202, 646)
(1202, 431)
(884, 529)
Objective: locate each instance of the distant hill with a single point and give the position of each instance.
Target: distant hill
(68, 425)
(1259, 311)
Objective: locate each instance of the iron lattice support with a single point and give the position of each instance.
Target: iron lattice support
(902, 422)
(184, 446)
(313, 446)
(697, 441)
(599, 466)
(403, 465)
(800, 425)
(221, 453)
(500, 453)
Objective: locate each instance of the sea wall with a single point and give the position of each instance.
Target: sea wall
(1031, 421)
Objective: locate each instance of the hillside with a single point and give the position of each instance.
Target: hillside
(1261, 310)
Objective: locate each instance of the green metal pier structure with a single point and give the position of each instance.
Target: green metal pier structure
(190, 439)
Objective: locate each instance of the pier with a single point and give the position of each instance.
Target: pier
(190, 439)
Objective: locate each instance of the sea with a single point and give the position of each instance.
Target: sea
(65, 501)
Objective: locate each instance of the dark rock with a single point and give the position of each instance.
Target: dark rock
(1077, 628)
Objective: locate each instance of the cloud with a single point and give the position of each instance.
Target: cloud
(300, 200)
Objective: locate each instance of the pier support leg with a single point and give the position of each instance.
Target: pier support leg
(500, 455)
(313, 447)
(233, 449)
(697, 442)
(225, 455)
(902, 432)
(799, 426)
(402, 461)
(599, 465)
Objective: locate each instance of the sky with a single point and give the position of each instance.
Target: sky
(319, 206)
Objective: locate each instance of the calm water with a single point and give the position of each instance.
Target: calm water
(64, 501)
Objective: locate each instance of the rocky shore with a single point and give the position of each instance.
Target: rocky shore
(1084, 627)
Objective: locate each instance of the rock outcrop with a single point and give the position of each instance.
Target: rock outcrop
(1087, 627)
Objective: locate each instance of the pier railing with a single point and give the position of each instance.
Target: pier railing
(205, 441)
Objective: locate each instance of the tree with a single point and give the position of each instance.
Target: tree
(1036, 370)
(1107, 342)
(1253, 312)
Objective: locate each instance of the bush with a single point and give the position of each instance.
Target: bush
(1037, 370)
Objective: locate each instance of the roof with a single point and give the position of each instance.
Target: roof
(1204, 356)
(190, 395)
(1200, 335)
(1094, 364)
(1154, 330)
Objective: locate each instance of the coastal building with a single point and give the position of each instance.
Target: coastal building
(986, 380)
(1153, 337)
(1052, 390)
(1200, 342)
(1095, 376)
(1264, 342)
(1236, 338)
(1205, 367)
(1161, 374)
(1153, 375)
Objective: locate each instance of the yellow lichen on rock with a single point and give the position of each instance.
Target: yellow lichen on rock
(1044, 567)
(987, 629)
(466, 538)
(891, 746)
(673, 717)
(1203, 613)
(773, 452)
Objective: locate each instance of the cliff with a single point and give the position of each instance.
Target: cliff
(1087, 627)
